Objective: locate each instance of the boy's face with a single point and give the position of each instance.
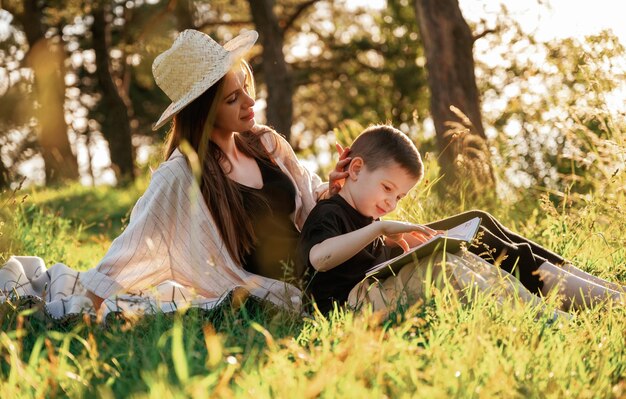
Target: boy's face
(375, 193)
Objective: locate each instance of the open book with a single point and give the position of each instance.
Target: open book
(450, 241)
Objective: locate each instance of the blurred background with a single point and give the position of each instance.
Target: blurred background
(502, 96)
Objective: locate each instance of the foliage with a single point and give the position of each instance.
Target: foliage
(551, 106)
(364, 66)
(542, 102)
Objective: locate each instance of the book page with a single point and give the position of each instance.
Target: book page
(465, 231)
(451, 239)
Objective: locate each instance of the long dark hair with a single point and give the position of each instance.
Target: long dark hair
(194, 124)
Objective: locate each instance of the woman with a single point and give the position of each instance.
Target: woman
(197, 239)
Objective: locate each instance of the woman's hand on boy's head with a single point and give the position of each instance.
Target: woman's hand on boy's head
(337, 177)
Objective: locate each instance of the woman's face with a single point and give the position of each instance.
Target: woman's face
(234, 110)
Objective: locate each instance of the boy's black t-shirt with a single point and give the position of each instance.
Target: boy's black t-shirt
(330, 218)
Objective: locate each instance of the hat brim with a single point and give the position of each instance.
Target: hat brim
(237, 48)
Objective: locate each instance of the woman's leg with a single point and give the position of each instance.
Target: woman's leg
(577, 292)
(544, 254)
(499, 230)
(500, 238)
(497, 247)
(568, 267)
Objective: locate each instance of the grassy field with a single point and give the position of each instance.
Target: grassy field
(441, 348)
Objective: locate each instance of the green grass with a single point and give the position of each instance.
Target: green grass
(441, 348)
(72, 224)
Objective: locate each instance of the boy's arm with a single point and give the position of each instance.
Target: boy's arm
(336, 250)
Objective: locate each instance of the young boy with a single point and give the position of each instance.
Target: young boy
(343, 236)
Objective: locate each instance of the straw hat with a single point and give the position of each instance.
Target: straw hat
(193, 64)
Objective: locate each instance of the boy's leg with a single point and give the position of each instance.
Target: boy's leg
(368, 292)
(410, 285)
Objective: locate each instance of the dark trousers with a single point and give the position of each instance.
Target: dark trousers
(517, 255)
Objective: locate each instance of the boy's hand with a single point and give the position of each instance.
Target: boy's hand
(403, 232)
(337, 177)
(420, 237)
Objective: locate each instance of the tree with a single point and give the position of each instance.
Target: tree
(16, 109)
(274, 71)
(46, 58)
(277, 74)
(4, 176)
(361, 66)
(455, 105)
(549, 112)
(116, 126)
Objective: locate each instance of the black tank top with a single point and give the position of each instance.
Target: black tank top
(270, 212)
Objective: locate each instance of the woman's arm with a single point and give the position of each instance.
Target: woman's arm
(309, 184)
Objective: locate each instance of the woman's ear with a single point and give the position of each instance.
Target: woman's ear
(354, 168)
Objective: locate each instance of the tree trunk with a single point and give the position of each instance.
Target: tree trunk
(4, 175)
(116, 127)
(184, 15)
(277, 75)
(448, 44)
(46, 57)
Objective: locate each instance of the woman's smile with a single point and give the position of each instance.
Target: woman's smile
(249, 116)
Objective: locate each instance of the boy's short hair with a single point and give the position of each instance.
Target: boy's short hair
(379, 145)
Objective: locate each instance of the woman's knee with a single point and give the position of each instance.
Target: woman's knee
(460, 218)
(473, 213)
(487, 220)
